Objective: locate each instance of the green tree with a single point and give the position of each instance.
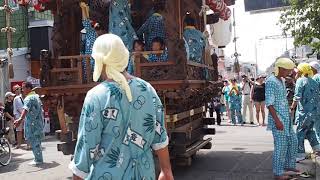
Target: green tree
(302, 20)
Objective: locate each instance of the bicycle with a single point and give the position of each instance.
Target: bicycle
(5, 148)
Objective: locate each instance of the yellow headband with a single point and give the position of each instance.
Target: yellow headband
(285, 63)
(109, 50)
(305, 69)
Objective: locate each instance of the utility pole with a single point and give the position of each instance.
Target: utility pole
(236, 54)
(6, 70)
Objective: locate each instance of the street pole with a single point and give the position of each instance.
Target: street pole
(236, 55)
(256, 53)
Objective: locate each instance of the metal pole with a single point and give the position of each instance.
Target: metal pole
(234, 30)
(256, 53)
(236, 55)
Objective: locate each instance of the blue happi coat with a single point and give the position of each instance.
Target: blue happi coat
(116, 138)
(285, 141)
(120, 22)
(276, 95)
(308, 98)
(234, 99)
(317, 122)
(195, 43)
(90, 37)
(33, 125)
(152, 28)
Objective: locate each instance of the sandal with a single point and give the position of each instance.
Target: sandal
(306, 175)
(292, 172)
(298, 160)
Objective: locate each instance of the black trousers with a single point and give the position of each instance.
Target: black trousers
(218, 114)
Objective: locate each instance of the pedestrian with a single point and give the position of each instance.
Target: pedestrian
(245, 86)
(235, 102)
(8, 113)
(32, 117)
(258, 97)
(154, 26)
(316, 71)
(17, 110)
(279, 122)
(306, 99)
(122, 120)
(216, 102)
(225, 92)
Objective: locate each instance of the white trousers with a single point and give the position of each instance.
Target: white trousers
(246, 104)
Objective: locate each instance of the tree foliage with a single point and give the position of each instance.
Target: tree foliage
(302, 20)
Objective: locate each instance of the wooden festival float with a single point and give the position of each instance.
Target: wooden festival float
(184, 86)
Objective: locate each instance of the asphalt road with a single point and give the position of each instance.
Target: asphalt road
(237, 153)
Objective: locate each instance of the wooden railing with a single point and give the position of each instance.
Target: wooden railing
(68, 70)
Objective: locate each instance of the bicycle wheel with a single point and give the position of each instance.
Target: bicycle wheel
(5, 152)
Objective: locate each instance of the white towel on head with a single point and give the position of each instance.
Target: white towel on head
(315, 65)
(109, 50)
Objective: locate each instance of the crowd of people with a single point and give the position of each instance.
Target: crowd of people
(292, 96)
(237, 98)
(23, 114)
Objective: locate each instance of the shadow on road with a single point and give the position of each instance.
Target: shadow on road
(232, 165)
(14, 164)
(45, 166)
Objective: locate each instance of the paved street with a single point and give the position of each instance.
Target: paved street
(238, 153)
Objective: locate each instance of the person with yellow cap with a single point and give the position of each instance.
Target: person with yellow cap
(306, 99)
(121, 122)
(235, 102)
(316, 71)
(279, 122)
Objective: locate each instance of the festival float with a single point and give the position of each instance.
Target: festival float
(184, 86)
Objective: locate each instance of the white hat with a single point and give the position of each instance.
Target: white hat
(9, 94)
(109, 50)
(315, 65)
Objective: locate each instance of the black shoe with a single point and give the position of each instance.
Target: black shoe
(243, 122)
(252, 123)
